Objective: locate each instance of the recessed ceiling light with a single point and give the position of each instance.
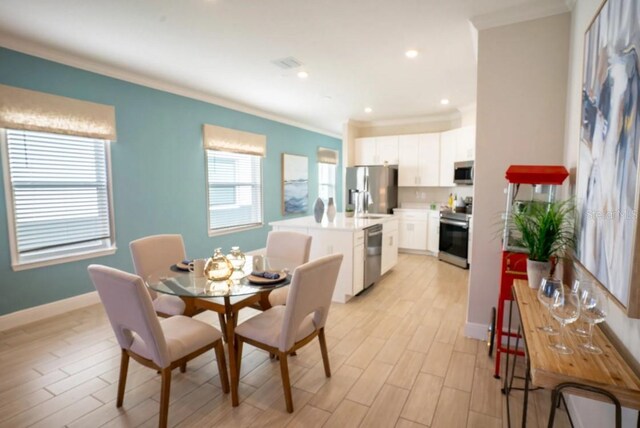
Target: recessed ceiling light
(411, 53)
(303, 74)
(444, 101)
(368, 110)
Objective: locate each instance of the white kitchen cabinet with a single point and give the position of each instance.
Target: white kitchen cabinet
(413, 229)
(387, 150)
(408, 165)
(448, 143)
(429, 160)
(358, 268)
(377, 150)
(433, 236)
(389, 246)
(419, 160)
(365, 151)
(466, 144)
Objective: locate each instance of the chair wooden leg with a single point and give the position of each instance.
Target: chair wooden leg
(325, 353)
(286, 383)
(238, 355)
(122, 381)
(164, 397)
(222, 367)
(183, 367)
(223, 326)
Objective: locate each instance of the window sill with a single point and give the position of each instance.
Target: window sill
(65, 259)
(235, 229)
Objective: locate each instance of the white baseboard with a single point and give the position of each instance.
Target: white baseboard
(37, 313)
(476, 331)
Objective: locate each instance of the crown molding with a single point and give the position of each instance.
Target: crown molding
(52, 54)
(453, 115)
(521, 13)
(467, 108)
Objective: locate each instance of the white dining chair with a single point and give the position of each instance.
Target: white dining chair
(291, 246)
(154, 254)
(281, 330)
(162, 345)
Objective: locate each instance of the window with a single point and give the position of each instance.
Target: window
(327, 164)
(326, 182)
(58, 197)
(234, 188)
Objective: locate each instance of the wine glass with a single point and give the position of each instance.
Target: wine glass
(594, 311)
(576, 288)
(545, 294)
(565, 309)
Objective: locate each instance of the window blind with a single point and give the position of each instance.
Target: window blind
(60, 193)
(234, 190)
(326, 181)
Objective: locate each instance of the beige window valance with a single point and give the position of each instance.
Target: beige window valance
(38, 111)
(327, 156)
(232, 140)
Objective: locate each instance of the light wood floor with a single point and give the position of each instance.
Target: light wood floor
(398, 357)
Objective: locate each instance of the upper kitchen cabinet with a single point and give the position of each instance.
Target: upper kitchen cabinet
(466, 144)
(377, 150)
(448, 149)
(419, 163)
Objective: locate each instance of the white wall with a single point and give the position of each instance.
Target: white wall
(522, 77)
(592, 413)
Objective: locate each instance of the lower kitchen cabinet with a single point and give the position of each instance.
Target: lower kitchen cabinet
(434, 232)
(389, 245)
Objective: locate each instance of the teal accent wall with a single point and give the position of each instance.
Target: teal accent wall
(158, 169)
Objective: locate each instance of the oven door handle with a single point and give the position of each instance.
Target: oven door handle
(461, 224)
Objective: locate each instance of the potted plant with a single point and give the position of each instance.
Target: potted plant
(348, 212)
(547, 232)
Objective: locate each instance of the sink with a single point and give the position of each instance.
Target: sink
(372, 216)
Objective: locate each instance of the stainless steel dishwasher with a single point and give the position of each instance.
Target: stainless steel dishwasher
(373, 254)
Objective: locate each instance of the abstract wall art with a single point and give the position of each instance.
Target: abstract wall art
(295, 184)
(607, 178)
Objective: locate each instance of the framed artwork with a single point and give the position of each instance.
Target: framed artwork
(295, 184)
(607, 178)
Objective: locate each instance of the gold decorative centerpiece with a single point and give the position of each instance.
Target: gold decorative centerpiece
(218, 267)
(237, 258)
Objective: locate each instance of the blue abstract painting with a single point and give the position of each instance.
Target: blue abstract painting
(295, 184)
(609, 140)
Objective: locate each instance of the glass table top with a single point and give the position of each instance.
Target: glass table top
(186, 284)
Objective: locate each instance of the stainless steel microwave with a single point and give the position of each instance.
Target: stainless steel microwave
(463, 172)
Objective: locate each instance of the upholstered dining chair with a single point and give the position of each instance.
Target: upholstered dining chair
(290, 246)
(152, 254)
(281, 330)
(163, 344)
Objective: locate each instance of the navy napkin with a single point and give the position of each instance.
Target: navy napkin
(266, 275)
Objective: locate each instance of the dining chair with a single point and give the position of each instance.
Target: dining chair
(290, 246)
(161, 345)
(281, 330)
(153, 254)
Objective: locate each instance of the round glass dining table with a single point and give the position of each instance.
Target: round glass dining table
(237, 292)
(173, 281)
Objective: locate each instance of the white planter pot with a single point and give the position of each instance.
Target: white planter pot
(536, 271)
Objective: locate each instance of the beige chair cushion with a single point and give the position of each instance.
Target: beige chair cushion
(279, 296)
(291, 246)
(267, 327)
(169, 305)
(183, 335)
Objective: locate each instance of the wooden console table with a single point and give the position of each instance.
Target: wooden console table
(604, 377)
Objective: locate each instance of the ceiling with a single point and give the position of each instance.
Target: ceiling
(353, 50)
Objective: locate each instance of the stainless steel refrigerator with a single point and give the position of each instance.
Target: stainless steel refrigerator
(372, 189)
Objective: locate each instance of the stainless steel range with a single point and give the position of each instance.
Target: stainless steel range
(454, 238)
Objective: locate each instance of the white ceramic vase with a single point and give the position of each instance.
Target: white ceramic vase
(331, 210)
(536, 271)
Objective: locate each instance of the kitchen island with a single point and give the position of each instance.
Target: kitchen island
(347, 235)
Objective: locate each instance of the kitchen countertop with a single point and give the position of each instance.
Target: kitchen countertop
(339, 223)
